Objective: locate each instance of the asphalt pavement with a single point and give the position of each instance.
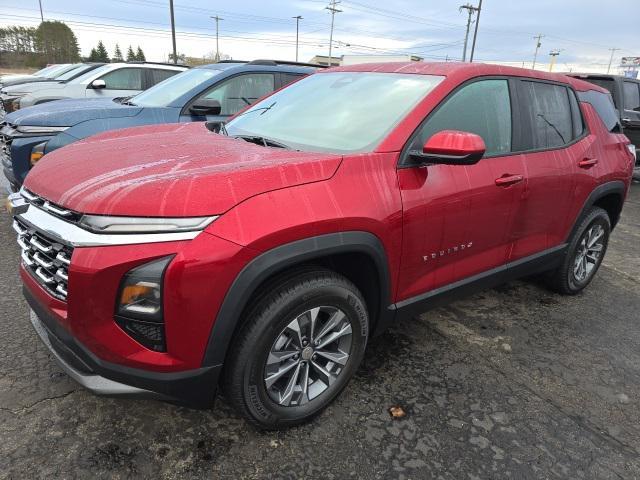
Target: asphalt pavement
(516, 382)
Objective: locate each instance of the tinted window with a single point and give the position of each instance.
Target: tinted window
(576, 115)
(124, 79)
(607, 83)
(170, 91)
(483, 108)
(238, 92)
(287, 78)
(603, 105)
(550, 113)
(631, 96)
(158, 75)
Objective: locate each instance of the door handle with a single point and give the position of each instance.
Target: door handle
(588, 163)
(507, 180)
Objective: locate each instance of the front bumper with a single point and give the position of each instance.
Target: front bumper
(194, 388)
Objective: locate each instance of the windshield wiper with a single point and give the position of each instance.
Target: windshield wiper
(261, 109)
(552, 126)
(124, 100)
(264, 141)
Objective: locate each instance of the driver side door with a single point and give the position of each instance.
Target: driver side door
(457, 219)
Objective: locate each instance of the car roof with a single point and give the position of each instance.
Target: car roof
(463, 71)
(257, 67)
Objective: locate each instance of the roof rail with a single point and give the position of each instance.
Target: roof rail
(170, 64)
(274, 63)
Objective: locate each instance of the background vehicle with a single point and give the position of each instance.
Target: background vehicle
(10, 94)
(211, 92)
(626, 97)
(108, 81)
(46, 73)
(355, 197)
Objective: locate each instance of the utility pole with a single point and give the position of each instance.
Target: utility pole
(554, 54)
(173, 33)
(332, 8)
(475, 33)
(613, 51)
(471, 10)
(41, 15)
(297, 19)
(217, 19)
(535, 54)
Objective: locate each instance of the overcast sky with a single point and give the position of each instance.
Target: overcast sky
(583, 30)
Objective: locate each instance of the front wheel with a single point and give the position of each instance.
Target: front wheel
(301, 344)
(584, 254)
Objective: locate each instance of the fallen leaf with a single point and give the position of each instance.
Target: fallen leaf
(397, 412)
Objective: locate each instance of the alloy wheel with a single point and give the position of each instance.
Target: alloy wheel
(588, 252)
(307, 356)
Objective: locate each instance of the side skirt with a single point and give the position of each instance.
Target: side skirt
(533, 264)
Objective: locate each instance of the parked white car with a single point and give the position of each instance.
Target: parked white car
(108, 81)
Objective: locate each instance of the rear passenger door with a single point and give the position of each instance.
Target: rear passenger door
(457, 219)
(631, 112)
(558, 158)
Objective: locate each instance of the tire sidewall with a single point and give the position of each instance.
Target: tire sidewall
(272, 322)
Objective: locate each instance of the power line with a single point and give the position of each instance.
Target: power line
(332, 8)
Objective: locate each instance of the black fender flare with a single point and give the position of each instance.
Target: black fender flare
(614, 186)
(288, 255)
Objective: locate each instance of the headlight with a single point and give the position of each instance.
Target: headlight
(106, 224)
(632, 150)
(37, 153)
(38, 130)
(139, 304)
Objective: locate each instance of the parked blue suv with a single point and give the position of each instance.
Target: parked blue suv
(207, 93)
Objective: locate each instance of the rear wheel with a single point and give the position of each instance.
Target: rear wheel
(584, 254)
(301, 344)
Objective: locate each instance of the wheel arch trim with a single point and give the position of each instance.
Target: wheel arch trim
(601, 191)
(289, 255)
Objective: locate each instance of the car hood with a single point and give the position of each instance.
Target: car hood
(32, 86)
(170, 170)
(67, 113)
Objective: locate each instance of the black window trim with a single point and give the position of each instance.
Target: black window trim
(517, 127)
(185, 110)
(143, 78)
(405, 162)
(624, 96)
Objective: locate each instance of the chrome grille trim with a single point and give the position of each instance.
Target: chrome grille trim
(44, 258)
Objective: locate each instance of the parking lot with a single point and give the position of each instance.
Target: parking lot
(515, 382)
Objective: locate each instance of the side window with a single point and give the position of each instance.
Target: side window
(157, 75)
(576, 116)
(287, 78)
(238, 92)
(482, 107)
(550, 112)
(631, 96)
(603, 105)
(124, 79)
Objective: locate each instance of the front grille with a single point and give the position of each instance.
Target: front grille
(5, 147)
(44, 258)
(52, 208)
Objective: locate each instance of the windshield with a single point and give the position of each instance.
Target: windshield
(169, 90)
(335, 112)
(77, 68)
(45, 71)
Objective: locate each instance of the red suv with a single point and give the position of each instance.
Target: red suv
(166, 260)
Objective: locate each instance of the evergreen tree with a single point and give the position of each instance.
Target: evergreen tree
(57, 43)
(93, 56)
(102, 54)
(131, 57)
(140, 55)
(117, 54)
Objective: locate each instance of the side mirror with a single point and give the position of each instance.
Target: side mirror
(98, 84)
(205, 106)
(451, 147)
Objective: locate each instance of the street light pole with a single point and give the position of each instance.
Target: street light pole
(297, 18)
(554, 54)
(41, 15)
(613, 51)
(173, 32)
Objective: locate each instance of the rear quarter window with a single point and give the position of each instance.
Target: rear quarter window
(603, 105)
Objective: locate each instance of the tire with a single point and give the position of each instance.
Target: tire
(253, 381)
(571, 278)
